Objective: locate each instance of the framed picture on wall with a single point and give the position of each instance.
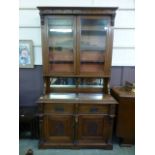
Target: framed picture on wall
(26, 55)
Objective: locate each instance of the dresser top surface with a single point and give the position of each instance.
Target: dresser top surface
(78, 97)
(122, 92)
(73, 7)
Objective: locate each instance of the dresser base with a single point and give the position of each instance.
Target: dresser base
(47, 145)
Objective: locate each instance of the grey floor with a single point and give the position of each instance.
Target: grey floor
(24, 145)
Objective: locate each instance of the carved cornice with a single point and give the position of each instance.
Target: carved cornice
(109, 11)
(77, 10)
(113, 19)
(42, 19)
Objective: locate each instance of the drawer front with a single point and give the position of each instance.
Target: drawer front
(59, 108)
(94, 109)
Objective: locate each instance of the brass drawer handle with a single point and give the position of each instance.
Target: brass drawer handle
(59, 109)
(94, 109)
(76, 119)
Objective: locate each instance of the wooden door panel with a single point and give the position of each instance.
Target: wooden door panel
(92, 128)
(59, 128)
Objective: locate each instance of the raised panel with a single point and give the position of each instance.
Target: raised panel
(92, 129)
(59, 128)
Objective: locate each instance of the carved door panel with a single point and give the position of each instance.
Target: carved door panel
(59, 128)
(93, 128)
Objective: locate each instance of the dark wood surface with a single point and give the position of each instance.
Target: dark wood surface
(71, 122)
(77, 118)
(125, 121)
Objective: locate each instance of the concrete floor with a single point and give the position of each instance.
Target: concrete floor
(26, 144)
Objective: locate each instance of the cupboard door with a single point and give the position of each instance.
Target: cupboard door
(61, 44)
(93, 128)
(59, 128)
(92, 44)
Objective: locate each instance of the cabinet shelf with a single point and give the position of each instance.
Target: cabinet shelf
(61, 62)
(61, 48)
(61, 56)
(92, 62)
(91, 48)
(59, 34)
(93, 32)
(71, 62)
(91, 45)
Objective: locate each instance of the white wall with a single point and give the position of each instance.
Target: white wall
(123, 49)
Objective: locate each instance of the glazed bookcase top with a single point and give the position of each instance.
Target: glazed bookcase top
(76, 43)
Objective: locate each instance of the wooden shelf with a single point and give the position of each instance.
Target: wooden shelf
(93, 32)
(61, 62)
(61, 56)
(62, 67)
(91, 68)
(92, 56)
(92, 62)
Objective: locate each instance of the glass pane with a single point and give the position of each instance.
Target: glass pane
(62, 82)
(91, 82)
(61, 45)
(93, 44)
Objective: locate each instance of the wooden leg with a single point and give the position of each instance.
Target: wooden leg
(126, 143)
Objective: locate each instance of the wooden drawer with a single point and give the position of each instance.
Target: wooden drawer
(58, 108)
(93, 109)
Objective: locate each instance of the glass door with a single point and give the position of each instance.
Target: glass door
(61, 44)
(92, 44)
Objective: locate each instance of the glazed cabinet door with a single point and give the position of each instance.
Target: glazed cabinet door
(92, 44)
(59, 128)
(61, 43)
(93, 129)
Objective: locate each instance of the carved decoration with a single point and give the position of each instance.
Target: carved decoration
(58, 129)
(112, 19)
(91, 128)
(42, 19)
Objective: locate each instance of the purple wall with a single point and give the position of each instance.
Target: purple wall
(30, 85)
(121, 74)
(31, 82)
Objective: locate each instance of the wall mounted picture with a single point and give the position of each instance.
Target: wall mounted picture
(26, 56)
